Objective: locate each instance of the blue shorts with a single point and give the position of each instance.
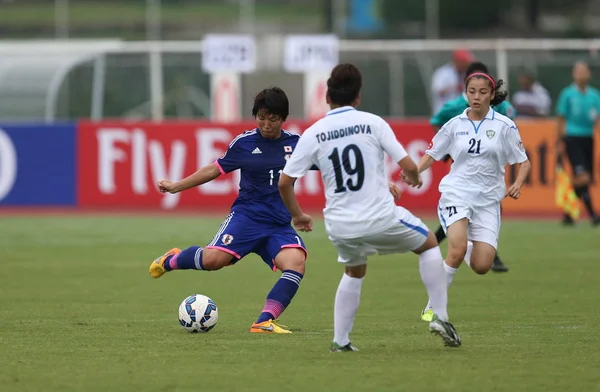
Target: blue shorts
(239, 235)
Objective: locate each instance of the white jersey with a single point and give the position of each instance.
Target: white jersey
(347, 146)
(480, 151)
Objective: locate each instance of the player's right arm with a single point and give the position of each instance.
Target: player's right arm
(230, 161)
(201, 176)
(440, 147)
(301, 161)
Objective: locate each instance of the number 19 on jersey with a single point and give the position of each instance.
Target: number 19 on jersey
(356, 171)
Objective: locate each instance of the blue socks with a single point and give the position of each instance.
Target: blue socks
(280, 295)
(190, 258)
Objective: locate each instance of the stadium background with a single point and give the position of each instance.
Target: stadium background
(99, 99)
(68, 63)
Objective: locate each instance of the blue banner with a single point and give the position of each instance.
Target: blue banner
(37, 165)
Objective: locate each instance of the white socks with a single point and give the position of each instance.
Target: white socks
(434, 278)
(449, 272)
(347, 299)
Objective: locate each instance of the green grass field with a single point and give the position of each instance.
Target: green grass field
(80, 313)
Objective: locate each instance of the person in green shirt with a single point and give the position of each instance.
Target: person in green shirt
(577, 109)
(454, 108)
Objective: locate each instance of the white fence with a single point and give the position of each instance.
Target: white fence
(32, 73)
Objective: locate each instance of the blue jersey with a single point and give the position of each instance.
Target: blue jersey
(580, 110)
(260, 161)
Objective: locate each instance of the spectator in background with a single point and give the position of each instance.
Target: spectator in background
(447, 81)
(532, 100)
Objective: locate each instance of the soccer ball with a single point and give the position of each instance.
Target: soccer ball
(198, 313)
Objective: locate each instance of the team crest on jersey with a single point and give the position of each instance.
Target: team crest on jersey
(227, 239)
(287, 148)
(287, 157)
(520, 146)
(490, 133)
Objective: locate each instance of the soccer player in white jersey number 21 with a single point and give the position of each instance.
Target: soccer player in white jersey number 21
(481, 143)
(361, 218)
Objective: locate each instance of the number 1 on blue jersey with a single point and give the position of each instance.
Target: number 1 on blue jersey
(271, 172)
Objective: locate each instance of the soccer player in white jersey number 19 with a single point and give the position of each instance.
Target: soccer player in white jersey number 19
(361, 217)
(481, 142)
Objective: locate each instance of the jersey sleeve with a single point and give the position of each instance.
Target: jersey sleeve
(303, 157)
(441, 143)
(515, 150)
(232, 159)
(389, 143)
(562, 107)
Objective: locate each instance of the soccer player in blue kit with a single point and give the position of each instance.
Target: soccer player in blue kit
(258, 222)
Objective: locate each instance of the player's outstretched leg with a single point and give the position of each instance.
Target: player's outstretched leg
(192, 258)
(157, 268)
(347, 299)
(291, 261)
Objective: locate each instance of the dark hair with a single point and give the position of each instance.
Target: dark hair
(496, 86)
(344, 84)
(477, 66)
(271, 101)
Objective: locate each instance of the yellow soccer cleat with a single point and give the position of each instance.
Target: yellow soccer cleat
(268, 327)
(427, 315)
(157, 268)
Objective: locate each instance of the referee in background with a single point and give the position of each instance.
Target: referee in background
(578, 112)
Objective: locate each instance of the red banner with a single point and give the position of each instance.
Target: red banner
(120, 163)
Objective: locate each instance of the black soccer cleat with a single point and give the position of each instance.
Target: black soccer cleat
(336, 348)
(499, 266)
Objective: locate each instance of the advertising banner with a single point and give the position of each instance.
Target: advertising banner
(119, 165)
(37, 165)
(538, 194)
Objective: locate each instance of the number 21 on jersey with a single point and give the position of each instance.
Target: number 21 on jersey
(474, 146)
(356, 171)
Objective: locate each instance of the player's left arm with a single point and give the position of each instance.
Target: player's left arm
(516, 155)
(297, 166)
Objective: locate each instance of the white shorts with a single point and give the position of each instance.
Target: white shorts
(407, 234)
(484, 222)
